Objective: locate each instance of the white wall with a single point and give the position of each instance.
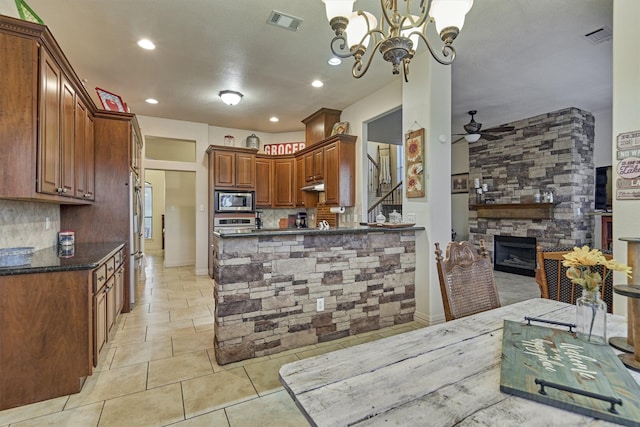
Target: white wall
(180, 215)
(626, 118)
(460, 201)
(156, 179)
(602, 138)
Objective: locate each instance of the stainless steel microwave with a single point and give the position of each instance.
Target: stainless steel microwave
(234, 201)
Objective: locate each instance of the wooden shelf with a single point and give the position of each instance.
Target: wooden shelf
(515, 210)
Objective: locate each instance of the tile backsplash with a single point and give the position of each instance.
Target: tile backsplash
(24, 224)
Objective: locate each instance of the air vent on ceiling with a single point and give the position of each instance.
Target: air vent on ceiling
(600, 35)
(283, 20)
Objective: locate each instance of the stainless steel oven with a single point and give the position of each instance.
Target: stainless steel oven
(234, 224)
(234, 201)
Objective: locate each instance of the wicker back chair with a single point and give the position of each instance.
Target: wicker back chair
(466, 280)
(551, 277)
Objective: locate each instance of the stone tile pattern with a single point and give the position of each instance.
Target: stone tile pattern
(24, 224)
(551, 151)
(266, 289)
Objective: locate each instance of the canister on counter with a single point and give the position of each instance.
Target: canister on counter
(66, 238)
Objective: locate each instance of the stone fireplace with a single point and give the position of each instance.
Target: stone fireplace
(547, 153)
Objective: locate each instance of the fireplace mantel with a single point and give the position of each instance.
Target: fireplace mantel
(515, 210)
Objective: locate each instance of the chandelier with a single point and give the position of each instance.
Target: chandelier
(398, 34)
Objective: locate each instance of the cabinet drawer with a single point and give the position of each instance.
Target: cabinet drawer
(119, 257)
(111, 266)
(99, 277)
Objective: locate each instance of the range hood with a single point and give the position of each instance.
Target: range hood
(314, 187)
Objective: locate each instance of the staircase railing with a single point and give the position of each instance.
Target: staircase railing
(373, 171)
(391, 197)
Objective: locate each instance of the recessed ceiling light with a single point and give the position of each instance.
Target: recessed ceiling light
(334, 61)
(151, 101)
(146, 44)
(274, 119)
(317, 83)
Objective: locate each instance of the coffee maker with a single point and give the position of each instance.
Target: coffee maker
(258, 220)
(301, 220)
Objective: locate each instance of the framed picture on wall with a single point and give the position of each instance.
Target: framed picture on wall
(111, 101)
(460, 183)
(415, 160)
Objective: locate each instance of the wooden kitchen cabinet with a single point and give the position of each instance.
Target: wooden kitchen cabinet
(42, 92)
(302, 199)
(314, 166)
(84, 153)
(283, 179)
(339, 173)
(264, 178)
(233, 168)
(318, 126)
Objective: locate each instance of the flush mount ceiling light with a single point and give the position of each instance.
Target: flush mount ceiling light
(397, 35)
(230, 97)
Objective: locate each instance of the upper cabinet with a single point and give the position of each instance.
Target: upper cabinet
(232, 167)
(264, 177)
(135, 160)
(45, 132)
(319, 125)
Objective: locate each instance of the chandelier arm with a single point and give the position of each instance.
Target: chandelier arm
(385, 6)
(342, 47)
(357, 70)
(447, 50)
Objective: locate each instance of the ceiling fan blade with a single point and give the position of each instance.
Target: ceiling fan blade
(500, 129)
(458, 140)
(489, 137)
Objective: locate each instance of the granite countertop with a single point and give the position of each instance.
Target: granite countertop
(314, 231)
(86, 256)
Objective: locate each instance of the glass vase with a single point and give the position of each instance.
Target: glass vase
(591, 317)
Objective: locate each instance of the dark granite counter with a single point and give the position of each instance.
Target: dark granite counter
(86, 256)
(313, 231)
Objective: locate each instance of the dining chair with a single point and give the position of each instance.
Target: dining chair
(466, 280)
(551, 277)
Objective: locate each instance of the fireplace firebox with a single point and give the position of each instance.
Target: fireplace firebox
(515, 255)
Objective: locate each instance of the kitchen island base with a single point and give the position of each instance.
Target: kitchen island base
(267, 286)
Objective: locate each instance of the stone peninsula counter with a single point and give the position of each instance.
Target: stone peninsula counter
(267, 284)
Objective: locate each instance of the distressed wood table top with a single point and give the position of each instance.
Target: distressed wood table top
(442, 375)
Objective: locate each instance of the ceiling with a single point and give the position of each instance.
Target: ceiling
(516, 58)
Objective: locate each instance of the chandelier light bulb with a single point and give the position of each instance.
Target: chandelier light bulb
(449, 13)
(230, 97)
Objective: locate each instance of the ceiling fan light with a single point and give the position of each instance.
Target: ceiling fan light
(230, 97)
(449, 13)
(472, 137)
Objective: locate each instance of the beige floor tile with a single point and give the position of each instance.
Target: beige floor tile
(215, 391)
(264, 375)
(190, 313)
(234, 365)
(178, 368)
(206, 300)
(85, 416)
(109, 384)
(156, 407)
(190, 343)
(318, 351)
(32, 410)
(104, 362)
(161, 306)
(131, 335)
(203, 323)
(145, 319)
(212, 419)
(131, 354)
(277, 409)
(170, 329)
(194, 293)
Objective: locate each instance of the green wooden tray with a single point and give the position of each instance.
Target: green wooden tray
(536, 358)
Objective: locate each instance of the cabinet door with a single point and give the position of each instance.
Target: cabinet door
(49, 140)
(299, 182)
(332, 174)
(89, 159)
(67, 155)
(118, 289)
(245, 170)
(318, 165)
(80, 150)
(283, 182)
(224, 169)
(264, 170)
(111, 305)
(135, 162)
(99, 323)
(308, 167)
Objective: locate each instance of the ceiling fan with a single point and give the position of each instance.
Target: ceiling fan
(474, 133)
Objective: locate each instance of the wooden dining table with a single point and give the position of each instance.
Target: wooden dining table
(442, 375)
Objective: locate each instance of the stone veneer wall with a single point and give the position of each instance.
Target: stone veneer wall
(549, 152)
(266, 289)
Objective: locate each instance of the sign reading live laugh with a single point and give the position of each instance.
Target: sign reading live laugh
(283, 148)
(628, 168)
(553, 367)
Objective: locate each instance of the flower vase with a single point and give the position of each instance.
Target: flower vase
(591, 317)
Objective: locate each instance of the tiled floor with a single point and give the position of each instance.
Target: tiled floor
(159, 369)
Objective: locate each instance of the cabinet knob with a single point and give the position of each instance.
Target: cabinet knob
(64, 190)
(59, 190)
